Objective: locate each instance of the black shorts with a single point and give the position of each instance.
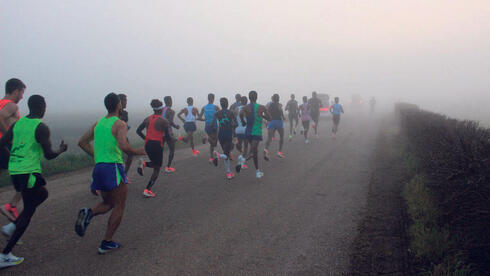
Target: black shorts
(293, 116)
(336, 119)
(190, 126)
(306, 125)
(315, 116)
(27, 181)
(154, 150)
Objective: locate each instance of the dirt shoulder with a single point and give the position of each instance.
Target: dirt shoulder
(381, 248)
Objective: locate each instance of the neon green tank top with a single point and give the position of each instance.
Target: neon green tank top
(257, 126)
(106, 149)
(26, 153)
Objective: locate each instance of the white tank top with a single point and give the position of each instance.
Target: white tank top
(190, 117)
(240, 129)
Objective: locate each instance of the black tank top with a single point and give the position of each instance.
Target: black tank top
(275, 111)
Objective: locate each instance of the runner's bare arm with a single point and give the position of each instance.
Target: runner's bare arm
(180, 115)
(264, 113)
(199, 117)
(4, 141)
(5, 113)
(243, 114)
(170, 118)
(140, 128)
(164, 125)
(42, 137)
(342, 109)
(120, 130)
(84, 142)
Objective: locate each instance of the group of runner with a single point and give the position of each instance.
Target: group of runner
(24, 140)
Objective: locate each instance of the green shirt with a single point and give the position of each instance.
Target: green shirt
(106, 149)
(26, 153)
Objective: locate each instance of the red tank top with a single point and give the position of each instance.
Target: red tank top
(3, 103)
(151, 133)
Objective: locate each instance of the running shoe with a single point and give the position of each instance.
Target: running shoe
(141, 167)
(169, 170)
(280, 154)
(259, 174)
(238, 168)
(181, 138)
(230, 175)
(10, 211)
(7, 260)
(108, 246)
(211, 160)
(273, 138)
(195, 152)
(244, 167)
(290, 137)
(307, 141)
(266, 155)
(148, 193)
(83, 220)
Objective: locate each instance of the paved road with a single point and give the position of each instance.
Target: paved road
(300, 219)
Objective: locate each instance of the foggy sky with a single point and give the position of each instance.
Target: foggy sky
(433, 53)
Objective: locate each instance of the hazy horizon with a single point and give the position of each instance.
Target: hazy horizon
(435, 54)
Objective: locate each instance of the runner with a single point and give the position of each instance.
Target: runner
(276, 124)
(336, 110)
(30, 141)
(156, 129)
(109, 177)
(123, 115)
(305, 118)
(168, 113)
(372, 105)
(9, 114)
(242, 142)
(226, 122)
(189, 123)
(210, 126)
(237, 103)
(254, 113)
(293, 115)
(315, 104)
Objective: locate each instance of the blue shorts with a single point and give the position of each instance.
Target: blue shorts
(107, 176)
(190, 126)
(240, 136)
(210, 128)
(275, 124)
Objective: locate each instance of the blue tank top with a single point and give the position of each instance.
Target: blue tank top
(209, 111)
(336, 109)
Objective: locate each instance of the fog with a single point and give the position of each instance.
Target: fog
(432, 53)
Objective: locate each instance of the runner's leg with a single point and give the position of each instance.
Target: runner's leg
(116, 199)
(281, 138)
(32, 199)
(171, 151)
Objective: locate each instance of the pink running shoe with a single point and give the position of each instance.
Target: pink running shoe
(10, 211)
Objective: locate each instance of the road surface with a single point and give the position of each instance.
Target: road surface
(300, 219)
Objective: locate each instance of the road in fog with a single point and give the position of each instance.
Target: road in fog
(299, 219)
